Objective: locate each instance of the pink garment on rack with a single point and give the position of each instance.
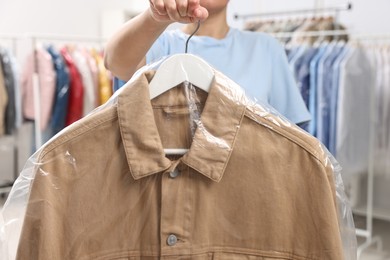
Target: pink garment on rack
(47, 84)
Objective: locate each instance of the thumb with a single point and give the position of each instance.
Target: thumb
(200, 13)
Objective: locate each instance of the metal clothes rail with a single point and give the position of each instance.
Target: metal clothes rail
(13, 39)
(353, 36)
(333, 9)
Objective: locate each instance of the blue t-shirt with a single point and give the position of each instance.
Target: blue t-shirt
(255, 61)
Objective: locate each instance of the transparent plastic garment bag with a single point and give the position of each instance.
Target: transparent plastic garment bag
(250, 184)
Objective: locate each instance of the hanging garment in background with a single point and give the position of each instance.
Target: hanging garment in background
(313, 87)
(251, 185)
(47, 86)
(3, 101)
(61, 99)
(10, 85)
(324, 93)
(105, 88)
(380, 57)
(384, 99)
(81, 62)
(77, 86)
(386, 108)
(292, 53)
(302, 74)
(353, 112)
(335, 72)
(320, 73)
(381, 65)
(336, 80)
(93, 68)
(18, 95)
(310, 25)
(299, 53)
(298, 26)
(76, 90)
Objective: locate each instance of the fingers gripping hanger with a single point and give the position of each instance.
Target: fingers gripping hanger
(181, 68)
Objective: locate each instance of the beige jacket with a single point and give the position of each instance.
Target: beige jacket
(250, 187)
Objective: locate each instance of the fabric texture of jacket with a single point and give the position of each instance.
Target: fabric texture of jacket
(251, 186)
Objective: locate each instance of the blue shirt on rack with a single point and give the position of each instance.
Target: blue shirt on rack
(255, 61)
(302, 73)
(61, 97)
(325, 94)
(313, 87)
(321, 102)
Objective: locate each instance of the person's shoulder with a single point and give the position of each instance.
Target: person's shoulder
(258, 37)
(173, 34)
(253, 35)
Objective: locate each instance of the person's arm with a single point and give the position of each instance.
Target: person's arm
(125, 51)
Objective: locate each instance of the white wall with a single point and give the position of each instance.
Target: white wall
(49, 16)
(71, 17)
(74, 17)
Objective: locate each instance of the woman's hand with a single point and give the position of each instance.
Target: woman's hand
(182, 11)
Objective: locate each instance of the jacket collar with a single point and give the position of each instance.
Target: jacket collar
(213, 141)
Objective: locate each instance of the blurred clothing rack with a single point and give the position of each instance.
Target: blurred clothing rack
(372, 36)
(310, 33)
(17, 44)
(10, 36)
(366, 233)
(335, 9)
(66, 38)
(13, 39)
(36, 38)
(354, 36)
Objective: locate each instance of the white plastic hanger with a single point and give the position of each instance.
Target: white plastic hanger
(180, 68)
(177, 69)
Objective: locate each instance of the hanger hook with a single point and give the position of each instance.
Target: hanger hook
(189, 38)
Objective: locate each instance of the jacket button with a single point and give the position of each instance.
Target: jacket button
(173, 174)
(172, 240)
